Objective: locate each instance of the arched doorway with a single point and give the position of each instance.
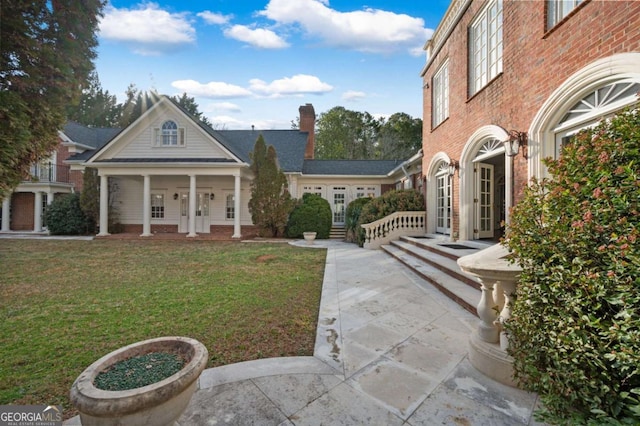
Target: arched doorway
(485, 176)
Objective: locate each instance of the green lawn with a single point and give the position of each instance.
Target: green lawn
(64, 304)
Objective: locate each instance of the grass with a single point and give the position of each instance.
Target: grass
(67, 303)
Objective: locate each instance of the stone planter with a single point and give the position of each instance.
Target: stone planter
(309, 237)
(160, 403)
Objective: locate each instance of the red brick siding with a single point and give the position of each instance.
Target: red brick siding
(535, 63)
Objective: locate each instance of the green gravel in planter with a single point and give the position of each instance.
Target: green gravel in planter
(139, 371)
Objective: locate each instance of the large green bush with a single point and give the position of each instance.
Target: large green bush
(65, 217)
(575, 329)
(312, 214)
(402, 200)
(352, 214)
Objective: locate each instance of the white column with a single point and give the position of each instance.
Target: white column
(50, 197)
(37, 212)
(192, 206)
(104, 206)
(146, 207)
(236, 208)
(6, 209)
(508, 188)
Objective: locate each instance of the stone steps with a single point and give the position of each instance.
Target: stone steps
(434, 260)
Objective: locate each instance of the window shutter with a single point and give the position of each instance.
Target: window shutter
(181, 140)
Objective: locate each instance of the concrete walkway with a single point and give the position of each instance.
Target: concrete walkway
(390, 350)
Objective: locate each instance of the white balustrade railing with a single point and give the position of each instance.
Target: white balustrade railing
(392, 227)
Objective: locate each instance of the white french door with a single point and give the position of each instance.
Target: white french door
(443, 204)
(484, 194)
(339, 195)
(202, 220)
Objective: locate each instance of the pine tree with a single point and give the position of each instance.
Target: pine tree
(270, 203)
(97, 107)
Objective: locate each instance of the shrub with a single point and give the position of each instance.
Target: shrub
(575, 329)
(351, 217)
(312, 214)
(65, 217)
(403, 200)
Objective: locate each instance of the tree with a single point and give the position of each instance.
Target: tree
(190, 105)
(353, 135)
(136, 104)
(345, 135)
(97, 108)
(46, 55)
(400, 137)
(90, 196)
(270, 203)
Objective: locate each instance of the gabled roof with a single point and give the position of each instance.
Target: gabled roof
(94, 137)
(350, 167)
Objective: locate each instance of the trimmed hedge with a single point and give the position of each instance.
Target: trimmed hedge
(311, 214)
(65, 216)
(402, 200)
(575, 329)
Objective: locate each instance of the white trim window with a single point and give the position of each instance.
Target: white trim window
(157, 206)
(230, 207)
(485, 46)
(440, 100)
(170, 134)
(557, 10)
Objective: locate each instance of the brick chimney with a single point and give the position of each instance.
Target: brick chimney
(308, 124)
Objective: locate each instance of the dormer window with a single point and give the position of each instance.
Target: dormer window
(170, 134)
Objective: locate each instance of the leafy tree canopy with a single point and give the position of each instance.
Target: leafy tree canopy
(46, 55)
(353, 135)
(97, 107)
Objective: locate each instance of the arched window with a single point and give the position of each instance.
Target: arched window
(170, 134)
(596, 105)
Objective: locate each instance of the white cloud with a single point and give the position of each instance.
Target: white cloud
(296, 85)
(353, 95)
(148, 29)
(213, 89)
(224, 106)
(214, 18)
(258, 37)
(368, 30)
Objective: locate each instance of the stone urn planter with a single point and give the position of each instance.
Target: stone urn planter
(159, 403)
(309, 237)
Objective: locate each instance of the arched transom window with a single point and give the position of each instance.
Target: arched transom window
(596, 105)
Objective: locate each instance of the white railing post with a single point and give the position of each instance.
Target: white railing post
(488, 311)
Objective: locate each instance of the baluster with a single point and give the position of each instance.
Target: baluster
(509, 288)
(488, 313)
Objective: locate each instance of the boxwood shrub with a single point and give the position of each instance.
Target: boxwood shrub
(575, 329)
(389, 202)
(311, 214)
(65, 217)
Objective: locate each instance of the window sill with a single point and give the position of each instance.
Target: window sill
(489, 83)
(558, 24)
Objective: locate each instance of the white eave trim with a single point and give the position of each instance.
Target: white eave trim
(66, 141)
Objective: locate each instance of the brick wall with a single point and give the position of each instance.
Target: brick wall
(535, 63)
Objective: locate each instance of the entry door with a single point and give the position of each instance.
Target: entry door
(443, 204)
(184, 212)
(202, 221)
(484, 200)
(202, 213)
(339, 194)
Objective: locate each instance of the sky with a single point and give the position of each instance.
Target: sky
(254, 62)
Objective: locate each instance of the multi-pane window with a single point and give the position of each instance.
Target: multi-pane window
(230, 207)
(440, 101)
(485, 46)
(170, 134)
(557, 10)
(157, 206)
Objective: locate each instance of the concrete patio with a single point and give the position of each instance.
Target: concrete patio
(390, 350)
